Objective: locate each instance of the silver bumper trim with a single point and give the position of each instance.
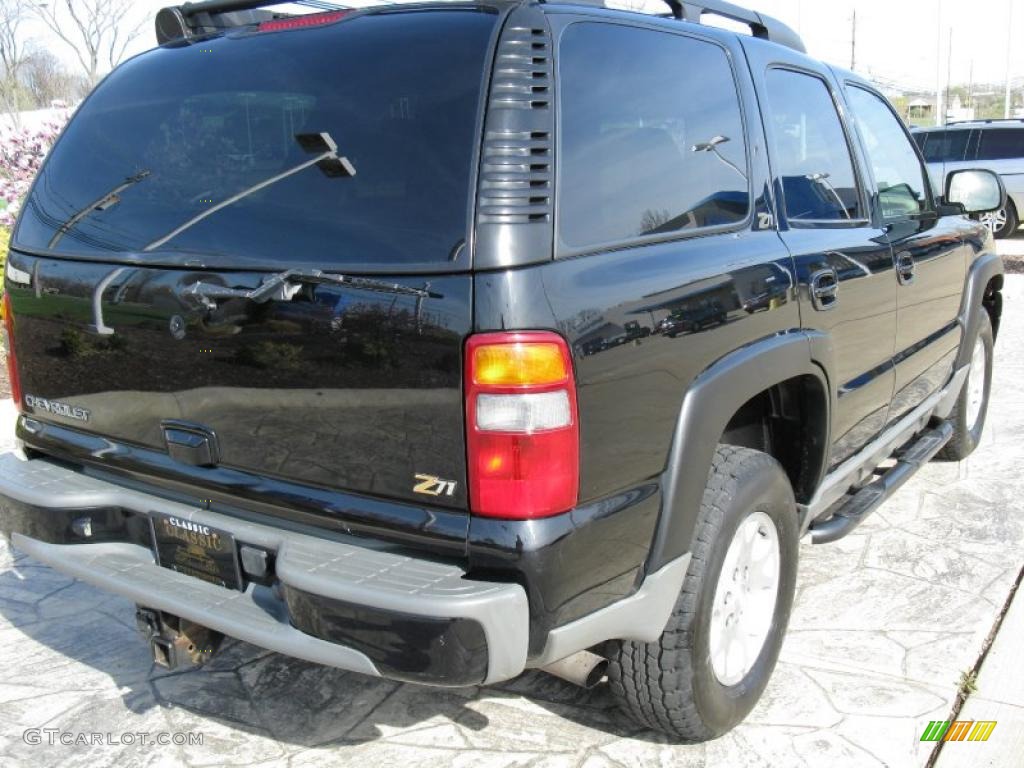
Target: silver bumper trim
(349, 572)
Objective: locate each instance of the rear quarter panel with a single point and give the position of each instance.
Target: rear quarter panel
(631, 377)
(631, 391)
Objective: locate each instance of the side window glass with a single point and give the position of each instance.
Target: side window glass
(812, 158)
(944, 146)
(645, 149)
(898, 172)
(972, 145)
(922, 138)
(1001, 144)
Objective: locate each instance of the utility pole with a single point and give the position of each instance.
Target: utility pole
(853, 41)
(1009, 45)
(949, 70)
(939, 111)
(970, 88)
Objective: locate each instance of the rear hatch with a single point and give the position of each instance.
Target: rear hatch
(261, 237)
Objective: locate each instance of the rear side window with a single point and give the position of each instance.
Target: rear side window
(646, 149)
(1001, 144)
(898, 173)
(231, 149)
(811, 155)
(943, 146)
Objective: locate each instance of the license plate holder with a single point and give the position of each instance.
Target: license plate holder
(201, 551)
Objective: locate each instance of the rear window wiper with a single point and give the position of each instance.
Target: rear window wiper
(326, 158)
(110, 199)
(286, 285)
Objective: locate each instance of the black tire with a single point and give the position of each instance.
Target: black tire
(966, 436)
(1010, 225)
(670, 685)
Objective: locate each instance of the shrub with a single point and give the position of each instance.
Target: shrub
(21, 155)
(270, 355)
(5, 237)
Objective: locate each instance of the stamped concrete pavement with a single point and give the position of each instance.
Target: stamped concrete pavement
(885, 622)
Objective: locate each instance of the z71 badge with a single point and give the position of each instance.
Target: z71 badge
(432, 485)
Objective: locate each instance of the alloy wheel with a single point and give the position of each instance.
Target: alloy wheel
(745, 597)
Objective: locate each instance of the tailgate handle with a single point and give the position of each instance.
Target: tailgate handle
(190, 443)
(286, 285)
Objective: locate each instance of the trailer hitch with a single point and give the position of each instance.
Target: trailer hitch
(176, 643)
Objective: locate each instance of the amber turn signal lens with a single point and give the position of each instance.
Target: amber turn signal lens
(522, 364)
(522, 425)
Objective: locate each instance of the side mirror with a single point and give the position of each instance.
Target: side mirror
(975, 190)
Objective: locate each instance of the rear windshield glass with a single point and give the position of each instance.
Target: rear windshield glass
(350, 143)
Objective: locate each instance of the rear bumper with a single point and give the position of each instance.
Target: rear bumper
(336, 602)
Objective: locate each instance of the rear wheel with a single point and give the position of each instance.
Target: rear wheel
(968, 416)
(714, 659)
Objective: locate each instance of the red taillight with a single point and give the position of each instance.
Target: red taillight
(303, 22)
(12, 361)
(522, 426)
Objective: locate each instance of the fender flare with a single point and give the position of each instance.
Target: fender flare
(979, 275)
(708, 405)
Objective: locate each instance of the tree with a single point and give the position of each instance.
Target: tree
(45, 80)
(12, 53)
(99, 31)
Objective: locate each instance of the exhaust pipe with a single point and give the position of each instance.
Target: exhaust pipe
(583, 668)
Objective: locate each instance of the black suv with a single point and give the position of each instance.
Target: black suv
(326, 332)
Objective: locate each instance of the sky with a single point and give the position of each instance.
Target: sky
(899, 40)
(904, 44)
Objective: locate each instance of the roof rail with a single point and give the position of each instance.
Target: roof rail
(761, 25)
(987, 120)
(178, 22)
(199, 18)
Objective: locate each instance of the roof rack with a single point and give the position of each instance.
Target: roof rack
(194, 19)
(180, 22)
(761, 25)
(988, 120)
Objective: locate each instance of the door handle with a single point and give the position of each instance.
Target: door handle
(905, 268)
(824, 286)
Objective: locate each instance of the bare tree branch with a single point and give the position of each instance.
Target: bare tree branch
(94, 29)
(12, 53)
(45, 80)
(120, 41)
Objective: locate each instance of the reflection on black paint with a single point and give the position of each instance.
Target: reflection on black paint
(696, 306)
(340, 387)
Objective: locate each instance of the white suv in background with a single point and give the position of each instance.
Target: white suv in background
(997, 145)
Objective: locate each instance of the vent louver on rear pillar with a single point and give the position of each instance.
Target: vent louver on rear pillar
(516, 187)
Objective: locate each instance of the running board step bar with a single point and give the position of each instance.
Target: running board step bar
(870, 497)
